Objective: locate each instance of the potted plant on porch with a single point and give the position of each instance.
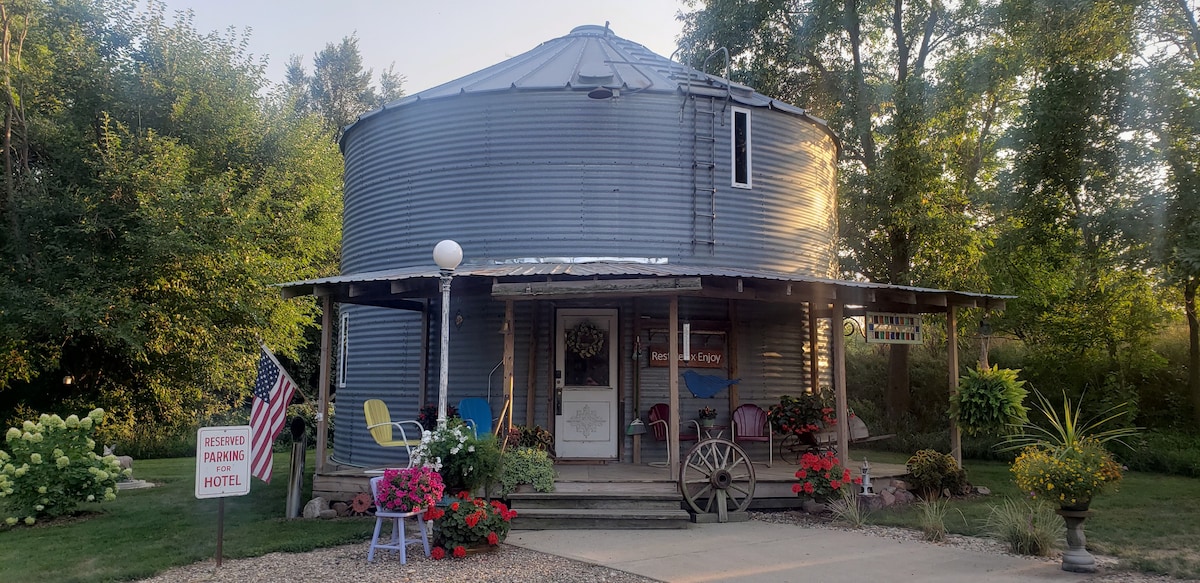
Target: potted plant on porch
(1066, 463)
(708, 416)
(821, 478)
(469, 524)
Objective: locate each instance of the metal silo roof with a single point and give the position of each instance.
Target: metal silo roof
(589, 57)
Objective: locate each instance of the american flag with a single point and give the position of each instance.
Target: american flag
(273, 390)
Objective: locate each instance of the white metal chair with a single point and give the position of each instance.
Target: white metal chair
(399, 540)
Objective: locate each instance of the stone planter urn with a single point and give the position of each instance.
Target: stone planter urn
(1076, 558)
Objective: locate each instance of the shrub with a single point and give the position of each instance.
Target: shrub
(989, 401)
(931, 471)
(526, 465)
(1028, 528)
(428, 416)
(466, 462)
(51, 466)
(469, 522)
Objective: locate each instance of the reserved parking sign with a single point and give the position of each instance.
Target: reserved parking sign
(223, 461)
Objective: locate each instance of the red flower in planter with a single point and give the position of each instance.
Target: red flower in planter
(438, 553)
(460, 552)
(493, 538)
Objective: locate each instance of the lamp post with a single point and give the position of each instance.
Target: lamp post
(447, 255)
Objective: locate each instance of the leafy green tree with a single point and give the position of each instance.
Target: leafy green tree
(339, 90)
(154, 220)
(919, 145)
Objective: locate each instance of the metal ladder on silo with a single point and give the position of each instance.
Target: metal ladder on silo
(704, 171)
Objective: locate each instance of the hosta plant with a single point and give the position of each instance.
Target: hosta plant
(989, 401)
(50, 466)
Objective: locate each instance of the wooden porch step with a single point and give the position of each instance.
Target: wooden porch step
(625, 501)
(599, 518)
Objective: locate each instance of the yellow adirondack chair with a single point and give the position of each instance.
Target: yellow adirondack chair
(382, 428)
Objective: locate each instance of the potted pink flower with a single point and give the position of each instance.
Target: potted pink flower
(410, 490)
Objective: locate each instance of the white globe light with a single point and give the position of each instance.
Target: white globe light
(447, 254)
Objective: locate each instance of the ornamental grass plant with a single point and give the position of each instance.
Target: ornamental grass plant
(1027, 527)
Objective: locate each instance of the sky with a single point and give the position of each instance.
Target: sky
(430, 42)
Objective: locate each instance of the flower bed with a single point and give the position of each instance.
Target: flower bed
(822, 477)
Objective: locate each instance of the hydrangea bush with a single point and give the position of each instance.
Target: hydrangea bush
(50, 466)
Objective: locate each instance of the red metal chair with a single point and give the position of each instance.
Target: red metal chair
(660, 428)
(750, 424)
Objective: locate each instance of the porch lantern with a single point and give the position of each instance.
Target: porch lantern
(447, 255)
(866, 477)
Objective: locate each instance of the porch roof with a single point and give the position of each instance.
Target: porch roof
(404, 288)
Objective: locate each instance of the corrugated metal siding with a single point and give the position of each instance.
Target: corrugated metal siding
(555, 173)
(383, 363)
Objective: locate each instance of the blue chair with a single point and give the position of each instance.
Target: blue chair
(477, 413)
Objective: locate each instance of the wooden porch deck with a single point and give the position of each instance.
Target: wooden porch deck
(773, 484)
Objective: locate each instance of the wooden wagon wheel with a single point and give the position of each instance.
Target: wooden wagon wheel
(793, 446)
(717, 476)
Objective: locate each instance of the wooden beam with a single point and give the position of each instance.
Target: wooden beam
(509, 348)
(324, 380)
(731, 356)
(841, 405)
(952, 365)
(531, 374)
(673, 386)
(814, 343)
(574, 289)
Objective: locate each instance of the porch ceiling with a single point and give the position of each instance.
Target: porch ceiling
(407, 288)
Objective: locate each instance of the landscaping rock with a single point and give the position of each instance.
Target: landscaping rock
(314, 507)
(983, 490)
(331, 513)
(341, 508)
(888, 498)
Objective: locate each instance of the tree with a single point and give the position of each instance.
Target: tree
(916, 143)
(155, 219)
(1171, 110)
(339, 90)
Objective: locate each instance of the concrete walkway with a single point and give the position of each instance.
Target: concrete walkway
(758, 551)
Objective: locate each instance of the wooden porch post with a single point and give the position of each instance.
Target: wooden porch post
(509, 348)
(531, 377)
(841, 407)
(952, 365)
(731, 356)
(323, 388)
(814, 341)
(673, 384)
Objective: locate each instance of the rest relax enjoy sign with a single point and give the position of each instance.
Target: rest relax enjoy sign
(701, 358)
(223, 461)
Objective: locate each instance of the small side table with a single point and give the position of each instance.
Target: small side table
(714, 431)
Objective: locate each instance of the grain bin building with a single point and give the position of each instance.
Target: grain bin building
(612, 207)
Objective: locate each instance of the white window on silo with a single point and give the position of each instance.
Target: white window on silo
(740, 148)
(343, 349)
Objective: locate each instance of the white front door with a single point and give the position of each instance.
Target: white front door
(585, 379)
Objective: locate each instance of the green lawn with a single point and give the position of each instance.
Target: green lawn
(147, 531)
(1152, 523)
